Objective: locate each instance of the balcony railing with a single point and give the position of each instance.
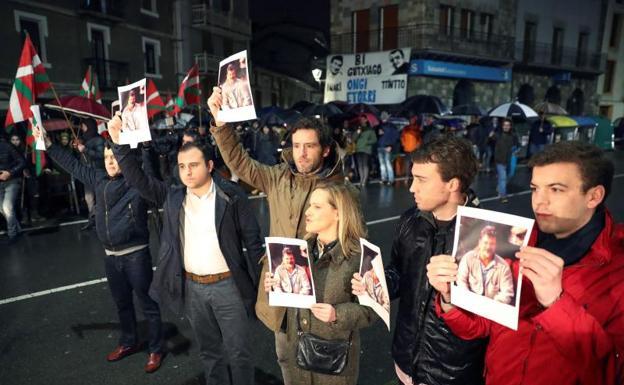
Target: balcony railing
(110, 73)
(432, 37)
(207, 62)
(547, 55)
(204, 16)
(108, 8)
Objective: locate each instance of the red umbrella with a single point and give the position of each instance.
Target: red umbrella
(81, 106)
(372, 119)
(55, 125)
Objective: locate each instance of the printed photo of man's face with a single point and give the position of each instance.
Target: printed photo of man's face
(335, 64)
(396, 58)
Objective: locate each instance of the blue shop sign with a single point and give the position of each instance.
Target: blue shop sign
(455, 70)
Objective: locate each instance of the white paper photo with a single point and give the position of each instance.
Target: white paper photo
(134, 120)
(290, 265)
(485, 245)
(374, 277)
(233, 79)
(37, 128)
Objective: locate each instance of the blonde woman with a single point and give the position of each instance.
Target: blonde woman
(334, 224)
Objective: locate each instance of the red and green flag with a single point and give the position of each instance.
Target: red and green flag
(189, 90)
(169, 106)
(154, 103)
(90, 88)
(31, 81)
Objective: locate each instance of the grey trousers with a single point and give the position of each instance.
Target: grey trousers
(221, 326)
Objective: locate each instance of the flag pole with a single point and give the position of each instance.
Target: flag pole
(71, 128)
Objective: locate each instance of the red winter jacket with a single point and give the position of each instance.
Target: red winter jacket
(578, 340)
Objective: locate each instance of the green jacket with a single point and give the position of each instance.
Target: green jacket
(365, 141)
(331, 273)
(287, 192)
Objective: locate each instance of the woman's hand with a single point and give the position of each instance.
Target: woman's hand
(357, 284)
(269, 281)
(324, 312)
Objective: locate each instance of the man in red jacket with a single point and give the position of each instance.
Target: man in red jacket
(571, 326)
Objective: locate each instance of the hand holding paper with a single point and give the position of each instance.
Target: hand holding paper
(544, 270)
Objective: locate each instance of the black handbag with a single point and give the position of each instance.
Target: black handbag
(319, 355)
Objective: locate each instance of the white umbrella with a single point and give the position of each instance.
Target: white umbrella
(513, 110)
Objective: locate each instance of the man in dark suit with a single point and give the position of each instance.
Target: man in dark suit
(202, 270)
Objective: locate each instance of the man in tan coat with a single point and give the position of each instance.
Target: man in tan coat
(288, 185)
(483, 272)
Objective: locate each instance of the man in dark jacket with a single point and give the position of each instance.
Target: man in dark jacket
(91, 146)
(202, 269)
(506, 141)
(11, 166)
(388, 140)
(538, 137)
(424, 350)
(121, 226)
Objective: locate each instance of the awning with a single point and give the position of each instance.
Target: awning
(584, 121)
(560, 121)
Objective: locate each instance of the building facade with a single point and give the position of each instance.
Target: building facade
(558, 53)
(474, 36)
(122, 41)
(485, 51)
(611, 83)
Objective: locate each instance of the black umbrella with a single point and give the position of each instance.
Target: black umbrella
(423, 104)
(323, 110)
(361, 108)
(301, 105)
(280, 118)
(467, 109)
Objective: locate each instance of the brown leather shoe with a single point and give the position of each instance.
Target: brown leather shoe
(153, 362)
(122, 352)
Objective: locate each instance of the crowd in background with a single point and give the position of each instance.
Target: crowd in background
(378, 150)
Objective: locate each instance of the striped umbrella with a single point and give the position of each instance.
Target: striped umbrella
(513, 110)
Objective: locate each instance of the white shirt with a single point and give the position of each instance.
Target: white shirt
(202, 254)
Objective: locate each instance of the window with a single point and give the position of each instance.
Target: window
(151, 52)
(389, 27)
(99, 40)
(148, 7)
(225, 6)
(616, 27)
(228, 46)
(467, 24)
(446, 20)
(530, 36)
(608, 77)
(37, 28)
(557, 46)
(581, 49)
(486, 24)
(361, 30)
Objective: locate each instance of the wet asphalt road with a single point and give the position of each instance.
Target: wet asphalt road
(63, 337)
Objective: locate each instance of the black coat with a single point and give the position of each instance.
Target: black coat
(120, 212)
(235, 223)
(11, 160)
(505, 143)
(423, 345)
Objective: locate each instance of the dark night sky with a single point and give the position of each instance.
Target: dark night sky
(310, 13)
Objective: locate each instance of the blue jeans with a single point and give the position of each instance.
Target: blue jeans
(385, 165)
(535, 148)
(221, 326)
(8, 199)
(125, 274)
(501, 170)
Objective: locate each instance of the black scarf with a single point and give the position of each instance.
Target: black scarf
(575, 246)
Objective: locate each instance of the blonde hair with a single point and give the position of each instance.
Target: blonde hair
(351, 226)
